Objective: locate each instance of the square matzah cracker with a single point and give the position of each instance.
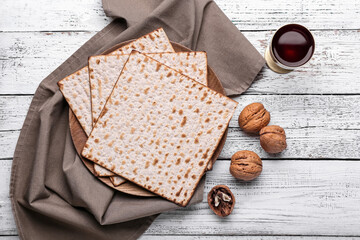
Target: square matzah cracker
(159, 128)
(101, 86)
(105, 70)
(154, 42)
(76, 91)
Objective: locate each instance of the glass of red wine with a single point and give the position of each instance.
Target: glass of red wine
(291, 46)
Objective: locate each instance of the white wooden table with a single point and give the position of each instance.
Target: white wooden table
(311, 191)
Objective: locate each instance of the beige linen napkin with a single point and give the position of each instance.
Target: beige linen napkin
(53, 195)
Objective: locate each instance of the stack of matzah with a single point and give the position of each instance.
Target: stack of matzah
(149, 116)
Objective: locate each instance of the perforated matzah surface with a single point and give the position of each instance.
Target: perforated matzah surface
(102, 172)
(159, 129)
(105, 70)
(154, 42)
(76, 91)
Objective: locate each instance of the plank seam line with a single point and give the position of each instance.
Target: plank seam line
(17, 95)
(11, 130)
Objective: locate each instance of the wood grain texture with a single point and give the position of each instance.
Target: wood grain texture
(291, 111)
(85, 15)
(13, 110)
(8, 141)
(7, 222)
(312, 124)
(307, 143)
(25, 62)
(289, 198)
(272, 14)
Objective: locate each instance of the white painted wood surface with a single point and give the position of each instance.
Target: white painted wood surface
(87, 15)
(289, 198)
(312, 124)
(311, 191)
(25, 62)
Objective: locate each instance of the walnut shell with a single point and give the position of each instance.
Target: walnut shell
(273, 139)
(245, 165)
(221, 200)
(253, 118)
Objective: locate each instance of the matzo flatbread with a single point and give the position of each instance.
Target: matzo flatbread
(105, 70)
(76, 91)
(191, 64)
(154, 42)
(117, 180)
(102, 172)
(159, 128)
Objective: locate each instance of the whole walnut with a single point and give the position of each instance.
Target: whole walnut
(253, 118)
(273, 139)
(245, 165)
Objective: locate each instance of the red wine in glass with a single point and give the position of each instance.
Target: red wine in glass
(292, 46)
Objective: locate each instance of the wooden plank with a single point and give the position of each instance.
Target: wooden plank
(65, 15)
(13, 110)
(7, 223)
(8, 140)
(319, 14)
(81, 15)
(289, 198)
(289, 111)
(304, 111)
(316, 126)
(304, 143)
(25, 62)
(332, 69)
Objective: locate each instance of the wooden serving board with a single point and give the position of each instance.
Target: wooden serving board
(79, 136)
